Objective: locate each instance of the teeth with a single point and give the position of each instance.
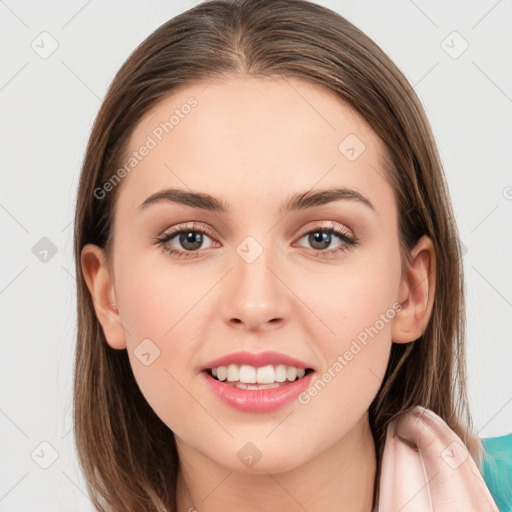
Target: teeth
(232, 373)
(254, 387)
(291, 373)
(221, 373)
(246, 374)
(280, 373)
(265, 375)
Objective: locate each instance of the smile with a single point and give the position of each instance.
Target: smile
(271, 375)
(251, 389)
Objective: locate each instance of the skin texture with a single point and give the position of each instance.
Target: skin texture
(253, 142)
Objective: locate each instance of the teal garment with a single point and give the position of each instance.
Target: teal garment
(497, 470)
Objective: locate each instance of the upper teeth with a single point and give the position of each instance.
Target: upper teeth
(262, 375)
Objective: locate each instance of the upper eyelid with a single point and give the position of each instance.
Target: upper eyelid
(195, 225)
(332, 224)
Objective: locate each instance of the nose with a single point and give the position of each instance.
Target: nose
(255, 297)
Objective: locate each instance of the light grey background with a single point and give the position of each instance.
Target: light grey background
(47, 109)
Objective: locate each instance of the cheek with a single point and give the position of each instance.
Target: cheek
(351, 300)
(159, 306)
(156, 296)
(354, 360)
(357, 306)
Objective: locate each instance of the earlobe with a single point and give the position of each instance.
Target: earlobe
(416, 293)
(101, 287)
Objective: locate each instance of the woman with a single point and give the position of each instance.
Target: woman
(307, 350)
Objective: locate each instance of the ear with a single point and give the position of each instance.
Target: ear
(416, 293)
(101, 287)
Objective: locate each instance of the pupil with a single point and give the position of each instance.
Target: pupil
(321, 237)
(193, 238)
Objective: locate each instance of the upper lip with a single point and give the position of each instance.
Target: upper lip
(256, 359)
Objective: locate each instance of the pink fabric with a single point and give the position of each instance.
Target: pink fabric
(427, 468)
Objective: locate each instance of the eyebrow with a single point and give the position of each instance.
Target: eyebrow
(300, 201)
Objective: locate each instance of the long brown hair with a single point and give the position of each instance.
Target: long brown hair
(128, 455)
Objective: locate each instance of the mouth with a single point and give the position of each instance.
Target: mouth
(257, 390)
(254, 379)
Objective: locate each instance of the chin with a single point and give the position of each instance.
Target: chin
(249, 459)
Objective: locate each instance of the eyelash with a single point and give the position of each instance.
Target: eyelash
(348, 241)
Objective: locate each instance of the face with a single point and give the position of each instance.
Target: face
(319, 282)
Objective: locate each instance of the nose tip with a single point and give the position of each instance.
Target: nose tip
(255, 296)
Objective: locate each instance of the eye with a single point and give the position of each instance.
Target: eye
(321, 238)
(190, 238)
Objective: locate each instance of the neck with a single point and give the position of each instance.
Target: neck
(340, 479)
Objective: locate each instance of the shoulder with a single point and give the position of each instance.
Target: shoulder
(497, 469)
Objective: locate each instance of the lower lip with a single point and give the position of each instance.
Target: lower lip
(257, 400)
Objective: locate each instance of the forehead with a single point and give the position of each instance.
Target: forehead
(246, 136)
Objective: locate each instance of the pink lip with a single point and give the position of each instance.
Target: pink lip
(256, 359)
(262, 400)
